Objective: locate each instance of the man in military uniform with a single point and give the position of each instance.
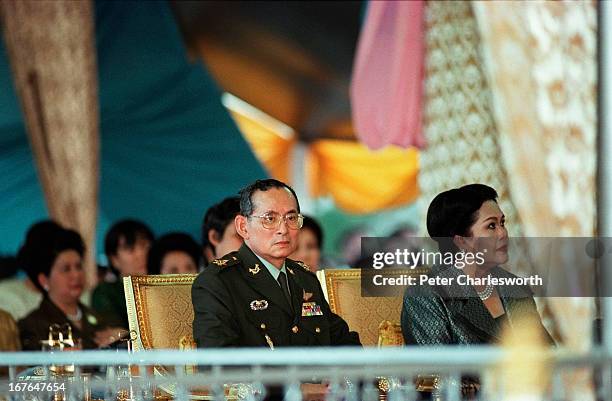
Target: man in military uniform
(256, 296)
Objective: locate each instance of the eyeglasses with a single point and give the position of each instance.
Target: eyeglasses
(270, 221)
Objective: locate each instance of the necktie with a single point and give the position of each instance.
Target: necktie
(282, 280)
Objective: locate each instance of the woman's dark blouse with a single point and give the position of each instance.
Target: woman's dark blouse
(454, 314)
(35, 327)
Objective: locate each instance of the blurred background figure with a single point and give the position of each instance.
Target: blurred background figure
(310, 243)
(174, 253)
(350, 245)
(9, 335)
(19, 295)
(219, 236)
(126, 246)
(54, 264)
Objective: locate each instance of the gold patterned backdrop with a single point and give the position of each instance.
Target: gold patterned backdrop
(458, 121)
(541, 60)
(51, 48)
(541, 64)
(510, 102)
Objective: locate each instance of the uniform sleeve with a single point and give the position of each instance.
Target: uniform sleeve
(424, 318)
(214, 324)
(339, 332)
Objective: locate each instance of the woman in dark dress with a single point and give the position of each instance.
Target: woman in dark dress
(467, 220)
(54, 264)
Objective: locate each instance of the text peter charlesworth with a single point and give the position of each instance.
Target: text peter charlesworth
(412, 259)
(462, 279)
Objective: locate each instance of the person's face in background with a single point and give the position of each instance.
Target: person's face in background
(66, 278)
(308, 249)
(131, 260)
(178, 262)
(228, 241)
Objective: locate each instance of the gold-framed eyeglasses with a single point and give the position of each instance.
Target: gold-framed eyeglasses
(271, 221)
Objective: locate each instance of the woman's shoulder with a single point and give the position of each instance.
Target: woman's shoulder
(42, 312)
(35, 326)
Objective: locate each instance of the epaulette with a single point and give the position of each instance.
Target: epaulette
(303, 265)
(228, 260)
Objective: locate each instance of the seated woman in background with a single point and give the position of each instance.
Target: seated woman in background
(174, 253)
(310, 243)
(20, 296)
(467, 220)
(126, 245)
(55, 266)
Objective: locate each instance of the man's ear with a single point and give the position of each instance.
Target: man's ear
(241, 226)
(213, 237)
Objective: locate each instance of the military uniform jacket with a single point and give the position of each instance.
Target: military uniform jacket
(454, 314)
(237, 303)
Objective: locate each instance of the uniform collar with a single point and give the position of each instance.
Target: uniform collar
(263, 280)
(274, 271)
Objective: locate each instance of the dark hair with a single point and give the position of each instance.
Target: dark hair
(312, 225)
(169, 243)
(8, 266)
(43, 244)
(453, 212)
(218, 217)
(130, 231)
(246, 194)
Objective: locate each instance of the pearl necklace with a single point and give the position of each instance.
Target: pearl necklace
(486, 293)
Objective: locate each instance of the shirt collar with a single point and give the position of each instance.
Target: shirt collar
(271, 268)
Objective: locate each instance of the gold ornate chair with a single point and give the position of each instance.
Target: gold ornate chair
(160, 310)
(365, 315)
